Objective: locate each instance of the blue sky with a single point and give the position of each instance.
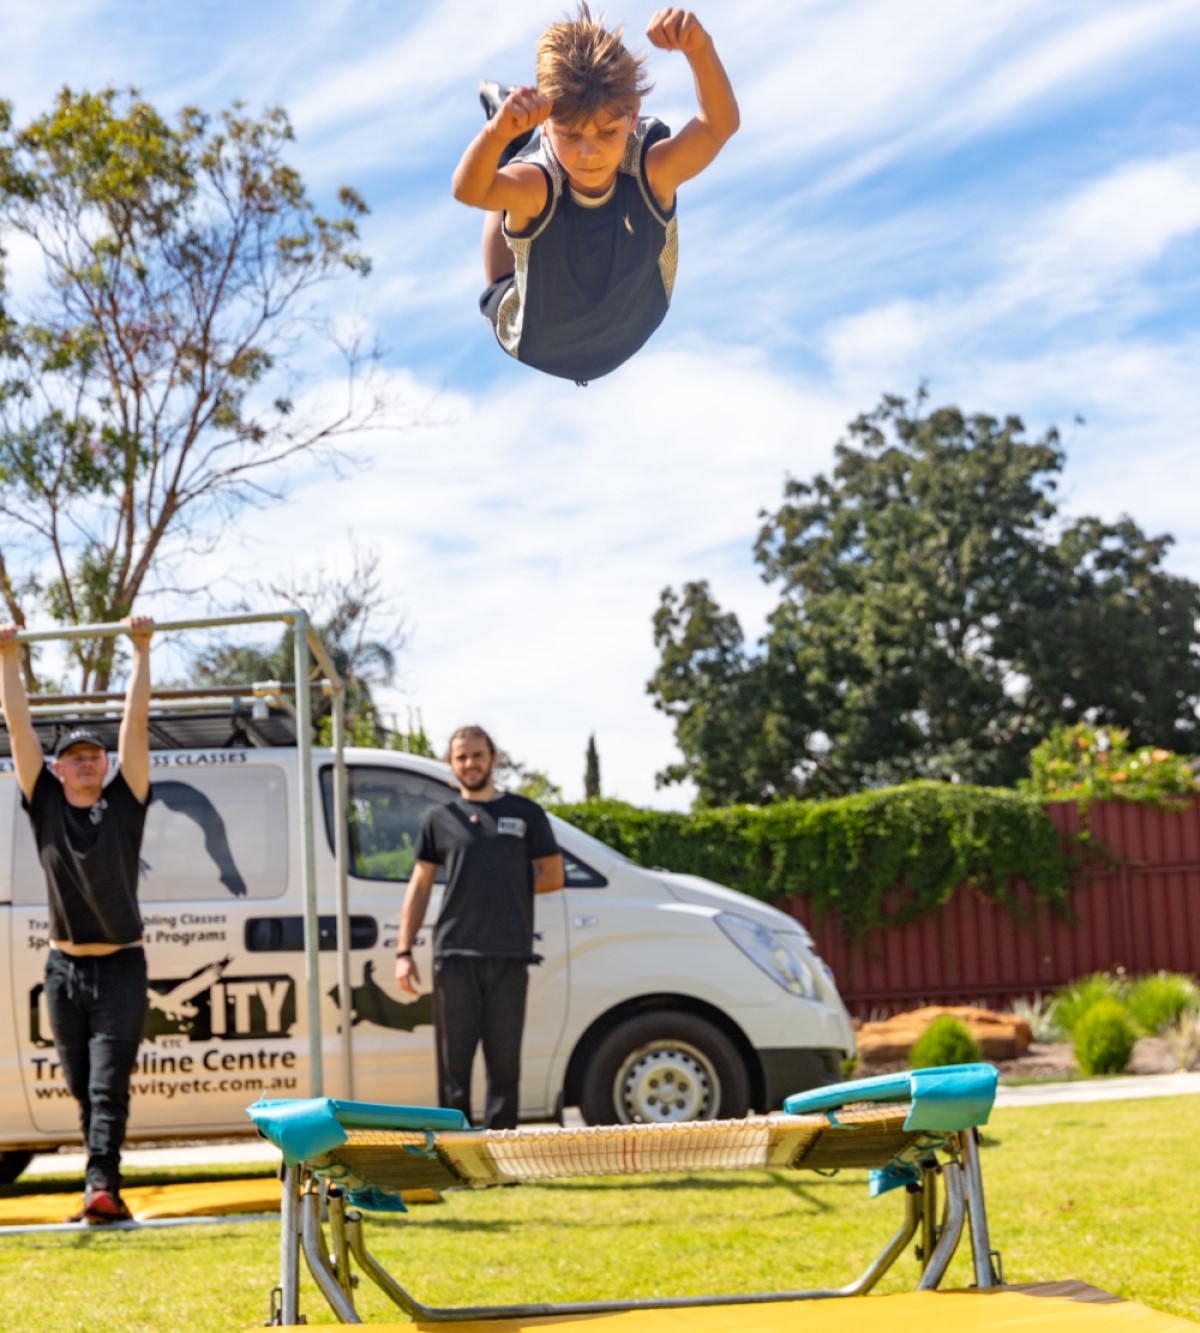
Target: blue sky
(1001, 199)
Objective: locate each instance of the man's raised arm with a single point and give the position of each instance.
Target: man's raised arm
(26, 748)
(133, 744)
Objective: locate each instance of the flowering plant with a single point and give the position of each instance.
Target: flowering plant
(1085, 763)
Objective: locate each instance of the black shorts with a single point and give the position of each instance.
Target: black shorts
(489, 301)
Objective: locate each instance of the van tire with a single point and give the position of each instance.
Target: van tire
(664, 1068)
(12, 1163)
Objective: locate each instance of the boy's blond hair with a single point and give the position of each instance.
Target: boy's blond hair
(583, 68)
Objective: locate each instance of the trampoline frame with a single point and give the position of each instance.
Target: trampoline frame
(307, 1199)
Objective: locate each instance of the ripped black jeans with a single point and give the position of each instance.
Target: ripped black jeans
(97, 1010)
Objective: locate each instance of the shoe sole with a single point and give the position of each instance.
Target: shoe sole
(492, 95)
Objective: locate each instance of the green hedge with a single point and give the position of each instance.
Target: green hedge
(876, 858)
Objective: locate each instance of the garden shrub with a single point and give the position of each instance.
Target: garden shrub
(946, 1041)
(1183, 1040)
(1071, 1002)
(1041, 1013)
(876, 858)
(1157, 1000)
(1104, 1038)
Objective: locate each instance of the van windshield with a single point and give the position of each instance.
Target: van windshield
(386, 809)
(593, 843)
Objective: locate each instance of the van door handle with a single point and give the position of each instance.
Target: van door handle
(580, 922)
(285, 934)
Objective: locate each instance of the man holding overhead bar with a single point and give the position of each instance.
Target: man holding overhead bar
(89, 835)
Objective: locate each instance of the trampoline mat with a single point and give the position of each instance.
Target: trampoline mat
(869, 1136)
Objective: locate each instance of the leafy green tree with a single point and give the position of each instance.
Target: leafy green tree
(736, 745)
(145, 391)
(591, 774)
(536, 783)
(935, 620)
(414, 739)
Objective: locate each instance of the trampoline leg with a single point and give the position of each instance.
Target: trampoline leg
(336, 1201)
(317, 1257)
(929, 1200)
(981, 1248)
(287, 1311)
(887, 1256)
(952, 1225)
(380, 1276)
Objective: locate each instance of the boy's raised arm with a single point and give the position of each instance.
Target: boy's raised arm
(686, 154)
(519, 189)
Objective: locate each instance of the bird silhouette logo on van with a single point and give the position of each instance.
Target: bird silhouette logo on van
(207, 1004)
(370, 1003)
(175, 1007)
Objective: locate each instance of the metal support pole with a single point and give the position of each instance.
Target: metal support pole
(432, 1314)
(110, 629)
(316, 1255)
(308, 866)
(981, 1249)
(929, 1193)
(289, 1248)
(952, 1225)
(335, 1202)
(340, 815)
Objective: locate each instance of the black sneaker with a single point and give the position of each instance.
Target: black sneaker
(491, 98)
(492, 95)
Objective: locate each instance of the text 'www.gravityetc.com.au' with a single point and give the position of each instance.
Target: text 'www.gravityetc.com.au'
(192, 1087)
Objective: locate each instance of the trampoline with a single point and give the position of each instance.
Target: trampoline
(917, 1133)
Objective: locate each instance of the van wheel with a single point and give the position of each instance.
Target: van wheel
(12, 1164)
(664, 1068)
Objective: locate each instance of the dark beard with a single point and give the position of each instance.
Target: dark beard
(477, 785)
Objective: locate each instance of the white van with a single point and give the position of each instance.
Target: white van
(660, 996)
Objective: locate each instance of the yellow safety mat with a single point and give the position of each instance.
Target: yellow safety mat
(1031, 1310)
(153, 1202)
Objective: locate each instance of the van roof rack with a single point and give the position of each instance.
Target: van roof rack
(218, 717)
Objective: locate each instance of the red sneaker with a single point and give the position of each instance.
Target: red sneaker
(103, 1207)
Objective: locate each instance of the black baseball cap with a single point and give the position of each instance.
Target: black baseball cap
(80, 736)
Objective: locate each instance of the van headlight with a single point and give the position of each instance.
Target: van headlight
(776, 952)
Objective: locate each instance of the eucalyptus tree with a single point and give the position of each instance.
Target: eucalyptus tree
(152, 382)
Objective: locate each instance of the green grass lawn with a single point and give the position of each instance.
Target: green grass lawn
(1105, 1193)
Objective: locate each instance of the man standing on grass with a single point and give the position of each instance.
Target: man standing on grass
(499, 851)
(88, 836)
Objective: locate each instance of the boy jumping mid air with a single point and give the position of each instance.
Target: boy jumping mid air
(580, 245)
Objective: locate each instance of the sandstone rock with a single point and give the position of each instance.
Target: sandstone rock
(1000, 1036)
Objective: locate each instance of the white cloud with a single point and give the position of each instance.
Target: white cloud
(1081, 256)
(529, 537)
(858, 87)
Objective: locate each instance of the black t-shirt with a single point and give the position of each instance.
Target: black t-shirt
(488, 849)
(90, 856)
